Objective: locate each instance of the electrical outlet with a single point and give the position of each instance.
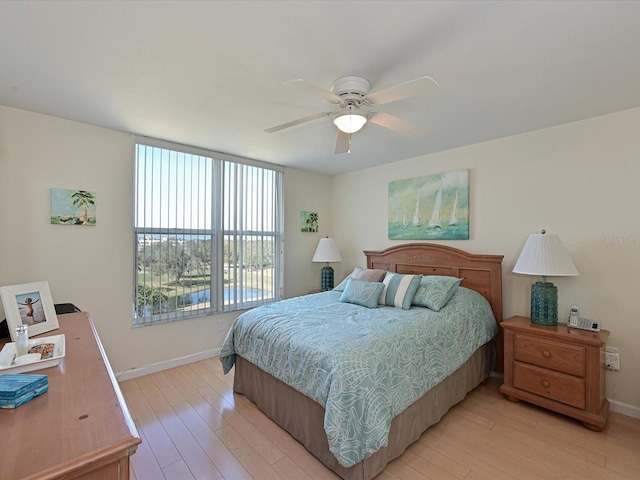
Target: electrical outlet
(611, 361)
(222, 325)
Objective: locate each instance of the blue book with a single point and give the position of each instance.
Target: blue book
(18, 388)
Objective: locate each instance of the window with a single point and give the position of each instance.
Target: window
(208, 233)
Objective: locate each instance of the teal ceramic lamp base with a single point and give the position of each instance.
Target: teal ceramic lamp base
(327, 278)
(544, 303)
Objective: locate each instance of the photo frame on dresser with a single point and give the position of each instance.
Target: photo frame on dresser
(30, 304)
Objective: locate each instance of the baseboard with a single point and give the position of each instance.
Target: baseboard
(158, 367)
(624, 409)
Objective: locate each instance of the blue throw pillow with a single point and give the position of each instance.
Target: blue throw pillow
(399, 290)
(435, 291)
(361, 293)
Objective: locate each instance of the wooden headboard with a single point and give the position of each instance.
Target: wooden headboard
(482, 273)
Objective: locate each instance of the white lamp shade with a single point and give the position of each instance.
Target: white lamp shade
(544, 255)
(327, 251)
(350, 122)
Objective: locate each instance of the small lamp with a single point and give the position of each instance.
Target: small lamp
(544, 255)
(327, 251)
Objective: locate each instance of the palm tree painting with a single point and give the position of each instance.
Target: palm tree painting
(73, 207)
(309, 222)
(433, 207)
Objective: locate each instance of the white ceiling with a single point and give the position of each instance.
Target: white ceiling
(210, 74)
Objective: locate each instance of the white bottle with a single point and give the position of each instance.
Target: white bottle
(22, 339)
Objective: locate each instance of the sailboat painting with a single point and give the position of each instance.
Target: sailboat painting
(433, 207)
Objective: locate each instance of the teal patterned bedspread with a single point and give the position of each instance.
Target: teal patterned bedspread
(365, 366)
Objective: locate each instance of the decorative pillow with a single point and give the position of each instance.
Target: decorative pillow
(366, 274)
(435, 291)
(362, 293)
(399, 290)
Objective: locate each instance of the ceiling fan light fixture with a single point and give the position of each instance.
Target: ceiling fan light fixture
(349, 122)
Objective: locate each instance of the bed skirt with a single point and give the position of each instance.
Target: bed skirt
(303, 418)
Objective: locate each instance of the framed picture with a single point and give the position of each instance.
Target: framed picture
(309, 221)
(31, 304)
(433, 207)
(73, 207)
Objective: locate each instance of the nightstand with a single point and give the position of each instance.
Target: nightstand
(557, 368)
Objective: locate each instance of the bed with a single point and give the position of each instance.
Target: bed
(309, 399)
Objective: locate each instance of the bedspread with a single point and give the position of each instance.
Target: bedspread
(364, 366)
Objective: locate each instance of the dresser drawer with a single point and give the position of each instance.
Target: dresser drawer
(546, 383)
(560, 357)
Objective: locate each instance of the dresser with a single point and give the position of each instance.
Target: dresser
(557, 368)
(79, 429)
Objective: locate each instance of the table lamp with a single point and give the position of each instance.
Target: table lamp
(544, 255)
(327, 251)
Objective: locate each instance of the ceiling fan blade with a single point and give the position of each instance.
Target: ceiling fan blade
(398, 125)
(313, 90)
(342, 142)
(412, 88)
(297, 122)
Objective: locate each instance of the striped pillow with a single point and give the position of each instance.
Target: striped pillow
(399, 290)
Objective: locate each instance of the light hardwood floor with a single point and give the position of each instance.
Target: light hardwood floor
(193, 426)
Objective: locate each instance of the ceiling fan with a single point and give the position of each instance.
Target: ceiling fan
(355, 106)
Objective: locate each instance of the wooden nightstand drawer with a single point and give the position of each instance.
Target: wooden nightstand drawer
(548, 354)
(556, 386)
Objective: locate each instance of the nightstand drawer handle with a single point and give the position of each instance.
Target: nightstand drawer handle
(546, 354)
(545, 383)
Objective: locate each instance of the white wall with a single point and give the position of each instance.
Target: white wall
(309, 192)
(92, 266)
(578, 180)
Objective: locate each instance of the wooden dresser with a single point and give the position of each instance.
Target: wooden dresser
(556, 368)
(81, 428)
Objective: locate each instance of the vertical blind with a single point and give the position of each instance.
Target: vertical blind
(208, 233)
